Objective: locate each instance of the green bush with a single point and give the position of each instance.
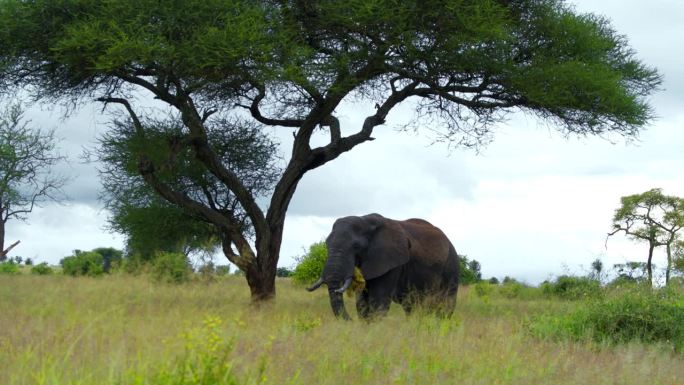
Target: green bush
(222, 270)
(205, 359)
(171, 267)
(9, 268)
(42, 269)
(511, 289)
(310, 266)
(637, 314)
(483, 289)
(568, 287)
(86, 263)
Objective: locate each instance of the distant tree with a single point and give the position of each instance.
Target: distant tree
(283, 272)
(597, 270)
(222, 270)
(493, 280)
(678, 256)
(27, 179)
(469, 271)
(631, 271)
(28, 262)
(109, 255)
(509, 280)
(292, 64)
(652, 217)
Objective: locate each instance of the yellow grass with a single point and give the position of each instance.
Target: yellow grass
(122, 329)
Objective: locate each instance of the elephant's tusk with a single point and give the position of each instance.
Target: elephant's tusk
(345, 286)
(315, 285)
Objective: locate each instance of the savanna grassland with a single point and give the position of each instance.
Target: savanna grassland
(124, 329)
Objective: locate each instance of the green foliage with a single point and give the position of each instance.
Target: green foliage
(511, 289)
(484, 289)
(222, 270)
(310, 266)
(652, 217)
(41, 269)
(83, 263)
(469, 271)
(570, 287)
(283, 272)
(153, 224)
(637, 313)
(171, 267)
(205, 360)
(9, 268)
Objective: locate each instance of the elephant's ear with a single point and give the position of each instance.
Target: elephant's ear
(388, 248)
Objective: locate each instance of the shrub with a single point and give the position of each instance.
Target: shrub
(86, 263)
(283, 272)
(222, 270)
(310, 266)
(42, 269)
(171, 267)
(205, 359)
(483, 289)
(511, 289)
(9, 268)
(636, 314)
(568, 287)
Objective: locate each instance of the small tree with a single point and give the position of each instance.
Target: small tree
(652, 217)
(597, 270)
(469, 271)
(26, 177)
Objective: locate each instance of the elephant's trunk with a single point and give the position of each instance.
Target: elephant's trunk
(337, 304)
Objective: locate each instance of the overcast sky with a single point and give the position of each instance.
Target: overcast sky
(530, 205)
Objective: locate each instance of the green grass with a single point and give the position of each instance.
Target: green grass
(131, 330)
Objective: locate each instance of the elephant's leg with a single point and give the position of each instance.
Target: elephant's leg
(381, 290)
(446, 308)
(362, 306)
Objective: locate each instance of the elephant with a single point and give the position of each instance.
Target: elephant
(409, 262)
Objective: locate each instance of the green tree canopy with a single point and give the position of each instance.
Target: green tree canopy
(291, 63)
(152, 224)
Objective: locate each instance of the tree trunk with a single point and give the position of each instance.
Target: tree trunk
(261, 284)
(3, 255)
(669, 263)
(649, 268)
(262, 273)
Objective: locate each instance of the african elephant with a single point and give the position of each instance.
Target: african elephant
(408, 262)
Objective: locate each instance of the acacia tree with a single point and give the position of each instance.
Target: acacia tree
(26, 179)
(652, 217)
(291, 64)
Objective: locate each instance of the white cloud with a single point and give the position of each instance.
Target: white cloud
(53, 232)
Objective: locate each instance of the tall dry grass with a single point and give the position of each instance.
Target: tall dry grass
(123, 329)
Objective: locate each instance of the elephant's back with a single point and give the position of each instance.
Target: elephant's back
(428, 242)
